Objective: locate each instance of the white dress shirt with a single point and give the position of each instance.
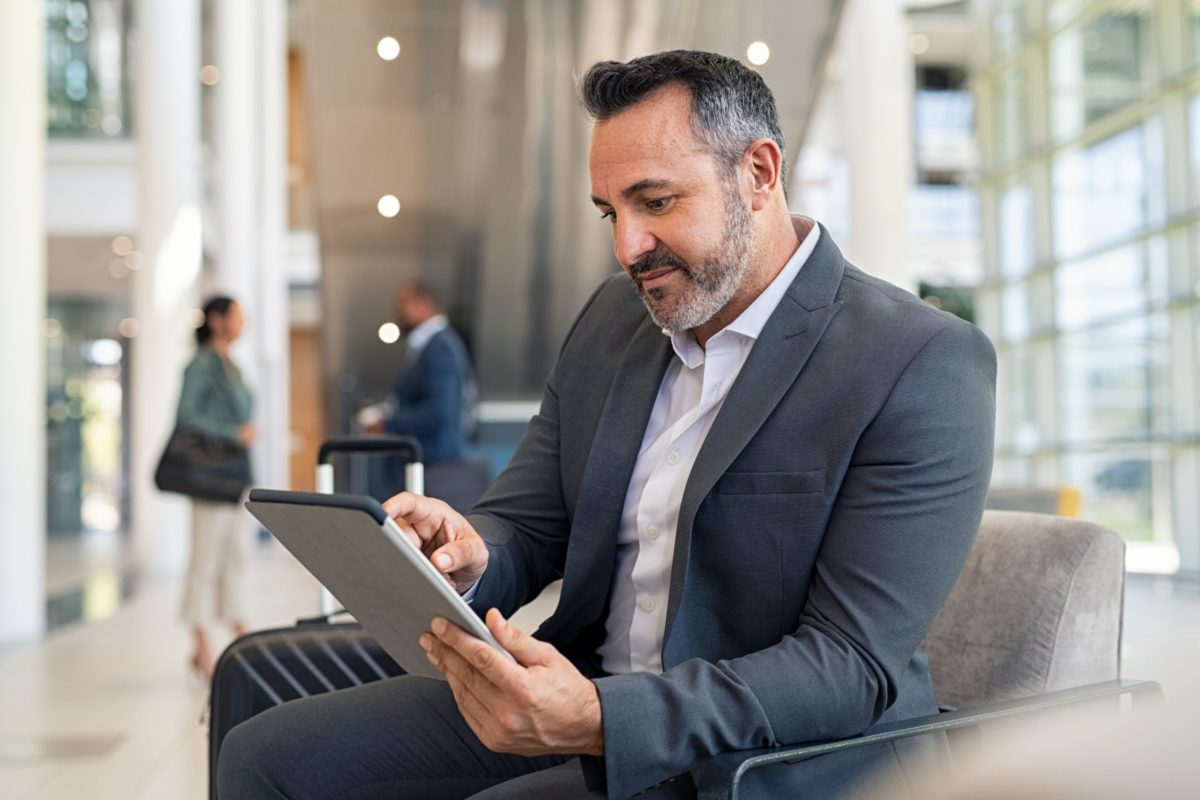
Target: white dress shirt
(420, 335)
(693, 390)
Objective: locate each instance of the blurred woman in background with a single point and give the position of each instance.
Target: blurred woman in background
(216, 402)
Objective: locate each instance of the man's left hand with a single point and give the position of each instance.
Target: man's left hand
(535, 706)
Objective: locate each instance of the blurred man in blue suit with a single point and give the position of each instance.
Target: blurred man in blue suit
(433, 398)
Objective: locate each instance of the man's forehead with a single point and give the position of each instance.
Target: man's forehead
(646, 142)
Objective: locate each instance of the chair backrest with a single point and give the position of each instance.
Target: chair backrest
(1037, 608)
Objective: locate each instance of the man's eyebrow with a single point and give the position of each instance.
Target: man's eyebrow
(633, 189)
(643, 185)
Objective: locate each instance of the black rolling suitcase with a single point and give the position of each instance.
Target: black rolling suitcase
(264, 669)
(267, 668)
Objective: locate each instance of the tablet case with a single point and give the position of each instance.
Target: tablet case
(352, 547)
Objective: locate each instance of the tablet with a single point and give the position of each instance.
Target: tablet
(351, 545)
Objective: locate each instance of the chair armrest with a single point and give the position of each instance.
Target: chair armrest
(721, 775)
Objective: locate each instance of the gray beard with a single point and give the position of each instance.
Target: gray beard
(712, 283)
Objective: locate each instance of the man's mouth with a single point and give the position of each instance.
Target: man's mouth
(656, 277)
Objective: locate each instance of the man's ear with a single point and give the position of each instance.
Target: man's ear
(763, 162)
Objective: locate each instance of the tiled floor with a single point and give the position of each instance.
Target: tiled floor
(121, 686)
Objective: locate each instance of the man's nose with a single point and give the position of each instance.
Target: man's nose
(631, 241)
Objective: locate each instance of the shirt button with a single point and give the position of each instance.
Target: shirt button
(673, 458)
(648, 604)
(652, 532)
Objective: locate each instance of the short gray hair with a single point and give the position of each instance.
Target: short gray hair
(731, 104)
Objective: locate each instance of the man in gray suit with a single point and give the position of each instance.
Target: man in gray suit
(757, 496)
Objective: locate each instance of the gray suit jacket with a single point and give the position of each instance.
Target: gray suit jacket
(826, 518)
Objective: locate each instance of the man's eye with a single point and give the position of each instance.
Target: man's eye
(609, 215)
(658, 204)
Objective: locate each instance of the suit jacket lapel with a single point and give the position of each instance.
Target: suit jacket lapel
(587, 574)
(784, 346)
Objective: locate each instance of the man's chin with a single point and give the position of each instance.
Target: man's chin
(672, 319)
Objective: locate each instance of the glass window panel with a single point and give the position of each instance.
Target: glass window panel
(1017, 391)
(1121, 491)
(987, 309)
(1017, 312)
(1014, 235)
(1059, 12)
(86, 68)
(86, 478)
(1100, 66)
(1112, 380)
(1194, 146)
(943, 212)
(1190, 420)
(1189, 286)
(1114, 284)
(1011, 103)
(1009, 472)
(1108, 191)
(1008, 28)
(1193, 30)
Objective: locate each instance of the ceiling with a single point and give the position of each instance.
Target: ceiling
(474, 128)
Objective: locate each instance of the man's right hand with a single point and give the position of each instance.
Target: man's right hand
(444, 535)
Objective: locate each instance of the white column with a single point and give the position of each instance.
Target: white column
(877, 97)
(167, 127)
(22, 339)
(235, 156)
(251, 209)
(273, 340)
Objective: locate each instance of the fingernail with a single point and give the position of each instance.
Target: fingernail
(426, 642)
(442, 560)
(439, 625)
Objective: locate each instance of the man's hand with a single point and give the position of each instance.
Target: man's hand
(539, 705)
(449, 541)
(247, 433)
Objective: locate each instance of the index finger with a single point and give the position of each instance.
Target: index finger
(432, 521)
(410, 508)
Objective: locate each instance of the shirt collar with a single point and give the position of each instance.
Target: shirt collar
(421, 334)
(751, 321)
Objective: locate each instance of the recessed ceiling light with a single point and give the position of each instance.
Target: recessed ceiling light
(210, 75)
(128, 327)
(758, 53)
(122, 245)
(918, 43)
(389, 333)
(388, 48)
(388, 206)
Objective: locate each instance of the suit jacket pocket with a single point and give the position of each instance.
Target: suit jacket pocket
(771, 482)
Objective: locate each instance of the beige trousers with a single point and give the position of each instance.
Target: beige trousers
(216, 570)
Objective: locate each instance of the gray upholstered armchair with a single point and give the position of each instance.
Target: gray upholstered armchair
(1034, 622)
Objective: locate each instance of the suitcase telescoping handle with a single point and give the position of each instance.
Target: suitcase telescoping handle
(410, 448)
(414, 474)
